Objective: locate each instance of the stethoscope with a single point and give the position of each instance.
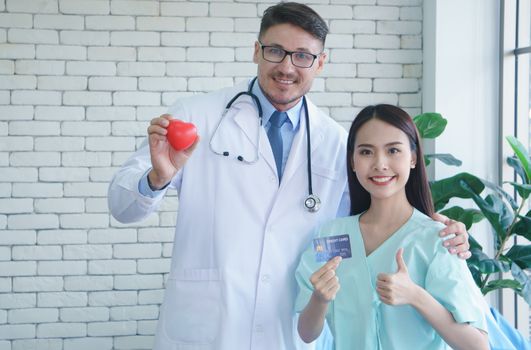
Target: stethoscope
(312, 202)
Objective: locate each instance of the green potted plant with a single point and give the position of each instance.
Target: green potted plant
(502, 210)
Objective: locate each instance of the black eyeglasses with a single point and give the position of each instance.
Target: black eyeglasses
(276, 54)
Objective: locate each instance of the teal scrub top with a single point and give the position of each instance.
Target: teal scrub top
(359, 320)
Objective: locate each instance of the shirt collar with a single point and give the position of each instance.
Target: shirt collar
(294, 112)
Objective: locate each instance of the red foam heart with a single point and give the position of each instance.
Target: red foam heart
(181, 135)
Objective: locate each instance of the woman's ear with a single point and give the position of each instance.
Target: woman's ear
(413, 160)
(352, 165)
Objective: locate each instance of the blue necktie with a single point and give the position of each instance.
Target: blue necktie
(275, 138)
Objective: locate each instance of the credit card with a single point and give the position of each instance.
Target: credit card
(326, 248)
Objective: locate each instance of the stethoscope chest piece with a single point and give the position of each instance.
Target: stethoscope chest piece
(312, 203)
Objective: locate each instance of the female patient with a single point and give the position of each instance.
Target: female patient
(401, 289)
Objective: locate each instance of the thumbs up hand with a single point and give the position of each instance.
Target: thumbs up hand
(396, 288)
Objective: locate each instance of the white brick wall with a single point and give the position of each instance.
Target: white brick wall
(79, 82)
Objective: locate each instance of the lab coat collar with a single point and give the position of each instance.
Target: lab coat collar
(297, 156)
(245, 114)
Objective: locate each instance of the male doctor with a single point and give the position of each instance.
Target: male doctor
(242, 221)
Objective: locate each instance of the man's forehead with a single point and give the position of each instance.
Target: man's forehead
(277, 36)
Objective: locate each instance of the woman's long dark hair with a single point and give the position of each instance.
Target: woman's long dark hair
(417, 188)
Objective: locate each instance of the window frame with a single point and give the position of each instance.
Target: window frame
(515, 25)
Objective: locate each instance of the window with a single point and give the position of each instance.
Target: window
(522, 54)
(515, 117)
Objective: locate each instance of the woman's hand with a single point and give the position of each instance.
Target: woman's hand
(325, 286)
(325, 282)
(396, 288)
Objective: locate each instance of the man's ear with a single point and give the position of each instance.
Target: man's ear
(320, 62)
(256, 54)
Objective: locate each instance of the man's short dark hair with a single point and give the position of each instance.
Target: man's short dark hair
(295, 14)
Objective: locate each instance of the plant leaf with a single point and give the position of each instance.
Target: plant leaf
(446, 158)
(523, 189)
(494, 209)
(473, 243)
(523, 156)
(520, 255)
(466, 216)
(475, 274)
(485, 264)
(517, 166)
(477, 255)
(501, 192)
(445, 189)
(426, 160)
(524, 280)
(499, 284)
(523, 226)
(526, 293)
(506, 216)
(430, 125)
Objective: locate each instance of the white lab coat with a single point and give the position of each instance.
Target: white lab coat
(239, 235)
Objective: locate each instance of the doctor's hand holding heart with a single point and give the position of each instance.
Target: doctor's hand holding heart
(171, 143)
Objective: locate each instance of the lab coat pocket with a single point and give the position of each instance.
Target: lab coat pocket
(192, 307)
(328, 173)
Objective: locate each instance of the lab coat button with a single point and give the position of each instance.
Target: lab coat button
(258, 328)
(265, 278)
(273, 179)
